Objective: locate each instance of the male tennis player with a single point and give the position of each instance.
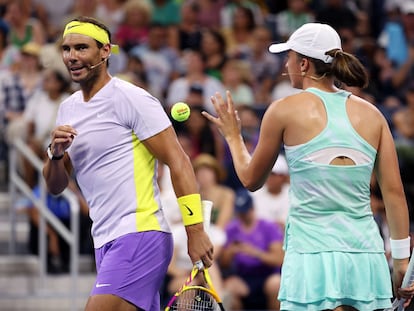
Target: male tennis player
(114, 133)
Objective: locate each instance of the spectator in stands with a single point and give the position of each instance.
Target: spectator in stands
(111, 12)
(197, 133)
(38, 119)
(238, 35)
(165, 12)
(349, 40)
(403, 120)
(82, 8)
(296, 14)
(23, 27)
(204, 138)
(8, 52)
(404, 73)
(187, 34)
(337, 14)
(210, 174)
(250, 123)
(18, 81)
(161, 62)
(21, 83)
(195, 97)
(264, 66)
(237, 78)
(231, 6)
(407, 10)
(211, 18)
(52, 16)
(194, 74)
(58, 251)
(271, 202)
(134, 28)
(135, 70)
(376, 13)
(381, 75)
(213, 48)
(251, 258)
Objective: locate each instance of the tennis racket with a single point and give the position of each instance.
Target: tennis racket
(398, 304)
(193, 296)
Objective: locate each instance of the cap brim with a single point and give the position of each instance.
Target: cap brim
(279, 47)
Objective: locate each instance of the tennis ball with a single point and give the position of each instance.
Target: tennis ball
(180, 112)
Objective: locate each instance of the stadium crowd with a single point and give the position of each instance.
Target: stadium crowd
(186, 50)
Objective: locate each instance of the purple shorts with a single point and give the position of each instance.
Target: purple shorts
(133, 267)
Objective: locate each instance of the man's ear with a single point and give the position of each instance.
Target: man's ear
(106, 51)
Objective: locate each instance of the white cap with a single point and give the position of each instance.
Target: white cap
(312, 40)
(407, 7)
(391, 5)
(281, 166)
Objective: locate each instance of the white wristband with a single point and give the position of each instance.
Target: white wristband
(400, 249)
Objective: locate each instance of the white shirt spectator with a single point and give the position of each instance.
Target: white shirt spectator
(271, 202)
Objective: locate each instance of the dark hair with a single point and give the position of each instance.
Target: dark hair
(64, 82)
(218, 37)
(348, 69)
(249, 14)
(345, 67)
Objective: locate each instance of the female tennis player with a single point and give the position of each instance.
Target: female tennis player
(334, 142)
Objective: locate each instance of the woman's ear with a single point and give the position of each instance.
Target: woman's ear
(304, 65)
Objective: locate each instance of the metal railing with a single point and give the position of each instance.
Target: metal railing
(16, 183)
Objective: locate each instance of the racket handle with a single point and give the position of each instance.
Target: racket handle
(409, 275)
(207, 207)
(407, 281)
(199, 264)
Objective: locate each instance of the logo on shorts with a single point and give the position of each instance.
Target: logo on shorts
(98, 285)
(190, 212)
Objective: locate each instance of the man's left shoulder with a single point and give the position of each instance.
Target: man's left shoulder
(127, 88)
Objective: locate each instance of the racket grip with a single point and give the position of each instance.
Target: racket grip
(199, 264)
(207, 207)
(409, 275)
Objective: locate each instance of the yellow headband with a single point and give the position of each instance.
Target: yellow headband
(90, 30)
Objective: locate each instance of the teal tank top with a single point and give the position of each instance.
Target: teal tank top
(330, 204)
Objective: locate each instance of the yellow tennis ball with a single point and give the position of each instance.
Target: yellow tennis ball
(180, 112)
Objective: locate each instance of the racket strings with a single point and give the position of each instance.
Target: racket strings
(195, 300)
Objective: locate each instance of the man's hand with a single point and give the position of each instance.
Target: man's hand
(62, 138)
(199, 245)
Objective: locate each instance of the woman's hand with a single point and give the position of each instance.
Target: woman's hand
(399, 269)
(227, 120)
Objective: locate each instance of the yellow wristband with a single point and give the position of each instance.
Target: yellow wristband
(190, 207)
